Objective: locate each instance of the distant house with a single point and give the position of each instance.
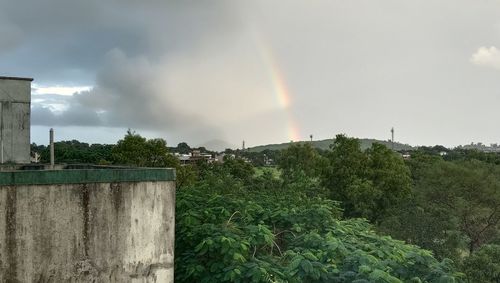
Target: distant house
(268, 161)
(194, 157)
(405, 155)
(35, 157)
(220, 157)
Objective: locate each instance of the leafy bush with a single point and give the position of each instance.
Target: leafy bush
(228, 232)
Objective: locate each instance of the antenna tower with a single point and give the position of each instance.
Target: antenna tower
(392, 138)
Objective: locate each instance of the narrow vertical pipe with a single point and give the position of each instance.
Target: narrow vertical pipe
(52, 148)
(1, 132)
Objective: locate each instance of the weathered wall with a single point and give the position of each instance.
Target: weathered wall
(15, 98)
(87, 232)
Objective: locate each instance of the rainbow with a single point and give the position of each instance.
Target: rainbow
(280, 88)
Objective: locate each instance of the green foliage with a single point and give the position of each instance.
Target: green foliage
(271, 231)
(136, 150)
(299, 159)
(484, 265)
(473, 154)
(432, 229)
(454, 209)
(183, 148)
(368, 183)
(75, 152)
(186, 175)
(239, 168)
(260, 158)
(235, 169)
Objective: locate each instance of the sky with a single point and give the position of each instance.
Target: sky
(263, 71)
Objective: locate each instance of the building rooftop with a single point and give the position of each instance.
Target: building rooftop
(16, 78)
(78, 174)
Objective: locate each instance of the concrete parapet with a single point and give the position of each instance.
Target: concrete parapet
(87, 225)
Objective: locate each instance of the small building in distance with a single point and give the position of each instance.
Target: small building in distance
(15, 100)
(194, 157)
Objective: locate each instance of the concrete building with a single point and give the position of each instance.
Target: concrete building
(78, 223)
(87, 224)
(15, 100)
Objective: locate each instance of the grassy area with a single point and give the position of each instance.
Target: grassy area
(274, 170)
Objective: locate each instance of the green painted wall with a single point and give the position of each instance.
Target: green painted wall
(79, 176)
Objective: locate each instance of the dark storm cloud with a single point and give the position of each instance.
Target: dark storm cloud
(56, 40)
(114, 45)
(196, 69)
(124, 96)
(43, 116)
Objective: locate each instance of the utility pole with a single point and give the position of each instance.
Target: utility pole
(243, 145)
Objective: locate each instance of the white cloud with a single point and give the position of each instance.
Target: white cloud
(487, 56)
(58, 89)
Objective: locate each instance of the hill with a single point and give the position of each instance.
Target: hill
(217, 145)
(325, 144)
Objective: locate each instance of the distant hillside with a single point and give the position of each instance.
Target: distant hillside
(325, 144)
(217, 145)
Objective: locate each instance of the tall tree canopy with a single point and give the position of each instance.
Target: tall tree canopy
(136, 150)
(299, 159)
(368, 183)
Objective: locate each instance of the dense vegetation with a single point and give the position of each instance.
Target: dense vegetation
(267, 230)
(321, 215)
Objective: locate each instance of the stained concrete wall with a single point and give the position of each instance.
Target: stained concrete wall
(90, 231)
(15, 98)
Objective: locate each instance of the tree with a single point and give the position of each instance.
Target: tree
(484, 265)
(183, 148)
(369, 184)
(469, 192)
(433, 229)
(186, 175)
(454, 208)
(238, 168)
(75, 152)
(299, 159)
(136, 150)
(158, 155)
(390, 179)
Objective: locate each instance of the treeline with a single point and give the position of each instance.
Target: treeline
(75, 152)
(125, 152)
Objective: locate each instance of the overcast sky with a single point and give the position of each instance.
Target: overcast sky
(199, 71)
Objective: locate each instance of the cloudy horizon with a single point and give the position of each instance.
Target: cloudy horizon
(259, 71)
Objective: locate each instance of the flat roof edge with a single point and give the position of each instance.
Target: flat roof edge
(85, 176)
(16, 78)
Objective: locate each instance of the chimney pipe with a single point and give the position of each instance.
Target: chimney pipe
(51, 148)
